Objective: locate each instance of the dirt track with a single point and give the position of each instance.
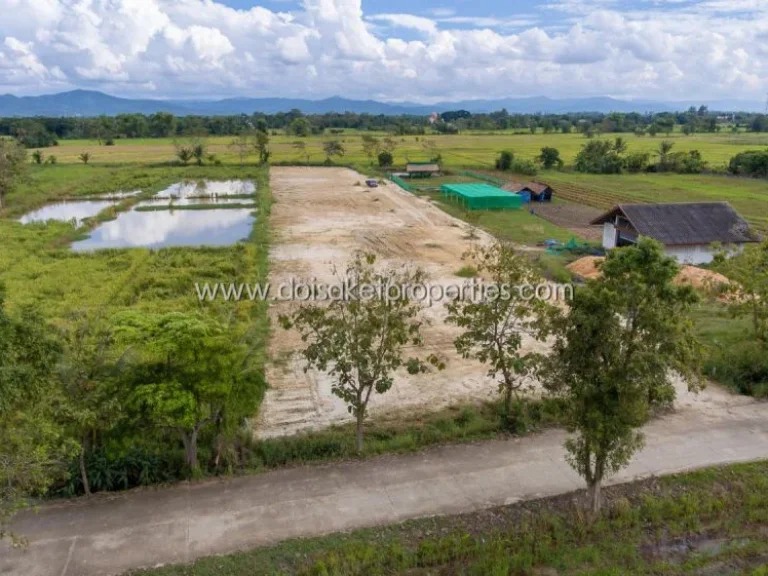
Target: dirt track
(321, 216)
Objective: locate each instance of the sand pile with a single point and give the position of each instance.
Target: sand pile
(587, 268)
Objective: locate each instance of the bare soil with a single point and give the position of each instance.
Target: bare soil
(574, 217)
(320, 218)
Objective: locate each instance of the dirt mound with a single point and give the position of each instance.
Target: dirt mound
(699, 278)
(586, 267)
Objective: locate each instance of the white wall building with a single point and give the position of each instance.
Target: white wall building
(687, 230)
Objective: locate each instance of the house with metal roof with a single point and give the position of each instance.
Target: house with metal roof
(687, 230)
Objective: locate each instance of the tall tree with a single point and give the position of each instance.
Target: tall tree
(89, 403)
(262, 146)
(748, 273)
(13, 166)
(614, 355)
(494, 326)
(187, 367)
(371, 146)
(32, 449)
(360, 340)
(333, 148)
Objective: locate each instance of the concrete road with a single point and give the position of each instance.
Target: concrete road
(110, 534)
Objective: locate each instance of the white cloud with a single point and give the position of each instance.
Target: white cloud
(658, 49)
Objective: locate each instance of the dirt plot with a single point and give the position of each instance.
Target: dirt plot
(321, 216)
(574, 217)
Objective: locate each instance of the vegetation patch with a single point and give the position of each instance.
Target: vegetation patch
(706, 522)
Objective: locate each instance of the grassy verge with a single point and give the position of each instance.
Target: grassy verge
(396, 434)
(707, 522)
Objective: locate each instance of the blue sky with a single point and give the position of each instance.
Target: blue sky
(392, 50)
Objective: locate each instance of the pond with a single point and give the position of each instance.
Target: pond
(170, 228)
(191, 201)
(67, 211)
(190, 188)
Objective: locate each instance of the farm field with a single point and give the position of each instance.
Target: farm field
(466, 149)
(38, 267)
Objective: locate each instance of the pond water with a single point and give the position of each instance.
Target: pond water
(187, 201)
(208, 188)
(67, 211)
(170, 228)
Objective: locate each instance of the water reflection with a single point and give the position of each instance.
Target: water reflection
(67, 211)
(208, 188)
(171, 228)
(187, 201)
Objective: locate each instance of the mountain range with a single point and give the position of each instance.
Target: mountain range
(93, 103)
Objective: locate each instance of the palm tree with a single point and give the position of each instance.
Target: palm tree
(665, 147)
(620, 145)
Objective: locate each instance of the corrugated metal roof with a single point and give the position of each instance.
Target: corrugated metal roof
(683, 224)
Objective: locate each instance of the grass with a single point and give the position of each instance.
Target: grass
(466, 272)
(466, 149)
(710, 521)
(38, 268)
(402, 433)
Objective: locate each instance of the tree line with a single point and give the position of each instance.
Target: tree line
(41, 132)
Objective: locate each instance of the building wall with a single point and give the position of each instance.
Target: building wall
(609, 236)
(699, 254)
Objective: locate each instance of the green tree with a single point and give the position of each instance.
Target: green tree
(549, 158)
(184, 154)
(187, 367)
(614, 354)
(748, 273)
(371, 146)
(333, 148)
(300, 127)
(494, 326)
(386, 159)
(199, 150)
(360, 341)
(242, 145)
(84, 157)
(162, 125)
(664, 150)
(505, 160)
(32, 448)
(262, 146)
(13, 166)
(89, 402)
(37, 157)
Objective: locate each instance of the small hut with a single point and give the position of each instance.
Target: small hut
(422, 169)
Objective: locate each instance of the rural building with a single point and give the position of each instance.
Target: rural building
(530, 191)
(481, 197)
(687, 230)
(422, 169)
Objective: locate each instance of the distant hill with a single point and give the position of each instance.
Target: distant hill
(93, 103)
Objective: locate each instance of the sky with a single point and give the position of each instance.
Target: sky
(391, 50)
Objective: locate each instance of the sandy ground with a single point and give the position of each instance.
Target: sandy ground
(321, 216)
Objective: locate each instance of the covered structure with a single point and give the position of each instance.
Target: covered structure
(687, 230)
(422, 169)
(533, 191)
(481, 197)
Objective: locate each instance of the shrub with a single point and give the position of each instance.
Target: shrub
(386, 159)
(505, 160)
(742, 366)
(751, 163)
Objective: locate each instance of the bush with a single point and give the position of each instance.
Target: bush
(386, 159)
(751, 163)
(505, 160)
(742, 366)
